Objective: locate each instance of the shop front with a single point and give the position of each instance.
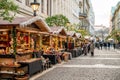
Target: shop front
(19, 40)
(57, 40)
(72, 44)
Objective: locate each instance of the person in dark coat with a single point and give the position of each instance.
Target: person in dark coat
(105, 45)
(108, 45)
(114, 45)
(85, 49)
(92, 47)
(101, 44)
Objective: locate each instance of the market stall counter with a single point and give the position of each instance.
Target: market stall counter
(52, 58)
(75, 52)
(34, 65)
(18, 40)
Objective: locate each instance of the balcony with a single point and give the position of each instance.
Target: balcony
(82, 15)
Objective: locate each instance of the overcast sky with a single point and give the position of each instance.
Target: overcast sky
(102, 9)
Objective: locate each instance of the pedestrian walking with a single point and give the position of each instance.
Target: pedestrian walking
(85, 49)
(108, 45)
(88, 47)
(101, 44)
(105, 45)
(114, 45)
(92, 48)
(98, 45)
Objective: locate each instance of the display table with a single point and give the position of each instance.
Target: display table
(34, 65)
(75, 52)
(80, 51)
(52, 58)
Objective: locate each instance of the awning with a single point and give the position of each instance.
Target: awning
(78, 35)
(25, 21)
(58, 30)
(71, 33)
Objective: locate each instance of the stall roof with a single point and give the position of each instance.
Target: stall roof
(71, 33)
(58, 30)
(24, 21)
(78, 35)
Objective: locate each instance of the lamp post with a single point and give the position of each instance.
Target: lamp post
(35, 6)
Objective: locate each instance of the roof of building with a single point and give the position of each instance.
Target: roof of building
(58, 30)
(78, 35)
(71, 33)
(24, 21)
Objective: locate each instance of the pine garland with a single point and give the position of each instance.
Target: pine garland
(14, 39)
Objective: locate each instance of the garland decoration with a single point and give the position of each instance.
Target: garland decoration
(14, 40)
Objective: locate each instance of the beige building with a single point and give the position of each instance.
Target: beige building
(26, 10)
(72, 9)
(115, 20)
(84, 13)
(101, 31)
(69, 8)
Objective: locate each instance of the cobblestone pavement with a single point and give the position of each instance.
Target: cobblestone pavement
(105, 65)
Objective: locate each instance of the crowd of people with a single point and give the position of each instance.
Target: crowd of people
(88, 47)
(106, 45)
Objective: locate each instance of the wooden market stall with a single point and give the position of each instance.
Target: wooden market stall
(56, 43)
(78, 40)
(72, 44)
(19, 40)
(72, 38)
(58, 38)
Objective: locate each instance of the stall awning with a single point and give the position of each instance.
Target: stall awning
(78, 35)
(71, 33)
(58, 30)
(25, 21)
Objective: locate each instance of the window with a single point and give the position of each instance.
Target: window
(42, 6)
(27, 2)
(19, 1)
(47, 7)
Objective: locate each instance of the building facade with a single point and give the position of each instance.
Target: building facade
(26, 10)
(86, 16)
(101, 31)
(91, 17)
(68, 8)
(115, 19)
(72, 9)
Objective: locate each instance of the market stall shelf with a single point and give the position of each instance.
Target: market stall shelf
(18, 41)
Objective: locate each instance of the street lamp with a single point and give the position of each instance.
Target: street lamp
(35, 6)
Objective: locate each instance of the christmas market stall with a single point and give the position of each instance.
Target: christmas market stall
(19, 40)
(71, 44)
(78, 40)
(60, 37)
(71, 39)
(57, 40)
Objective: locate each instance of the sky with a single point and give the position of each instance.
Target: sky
(102, 10)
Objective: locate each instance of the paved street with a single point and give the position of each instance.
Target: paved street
(105, 65)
